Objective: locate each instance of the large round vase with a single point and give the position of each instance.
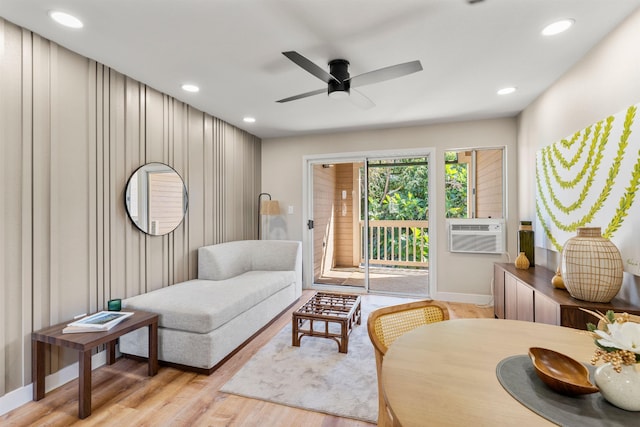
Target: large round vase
(591, 266)
(621, 389)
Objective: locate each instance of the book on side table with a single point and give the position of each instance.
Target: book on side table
(98, 322)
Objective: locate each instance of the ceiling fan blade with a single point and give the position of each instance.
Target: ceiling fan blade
(303, 95)
(310, 67)
(387, 73)
(360, 99)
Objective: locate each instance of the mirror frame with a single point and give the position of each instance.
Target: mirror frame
(127, 202)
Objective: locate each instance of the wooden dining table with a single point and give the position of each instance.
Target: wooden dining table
(444, 373)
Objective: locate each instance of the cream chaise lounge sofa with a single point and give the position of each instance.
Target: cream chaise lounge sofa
(241, 287)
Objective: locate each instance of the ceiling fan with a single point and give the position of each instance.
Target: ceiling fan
(340, 84)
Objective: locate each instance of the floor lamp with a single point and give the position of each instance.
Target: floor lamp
(266, 207)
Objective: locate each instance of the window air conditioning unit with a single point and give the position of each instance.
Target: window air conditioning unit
(476, 235)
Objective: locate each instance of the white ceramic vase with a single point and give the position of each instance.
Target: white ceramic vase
(621, 389)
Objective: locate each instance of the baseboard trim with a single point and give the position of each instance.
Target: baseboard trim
(16, 398)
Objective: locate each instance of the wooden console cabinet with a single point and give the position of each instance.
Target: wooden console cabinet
(528, 295)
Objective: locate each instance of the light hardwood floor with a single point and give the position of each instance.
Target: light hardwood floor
(123, 394)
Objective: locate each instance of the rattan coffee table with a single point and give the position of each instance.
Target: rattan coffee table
(324, 307)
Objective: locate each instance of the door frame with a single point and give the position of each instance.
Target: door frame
(308, 161)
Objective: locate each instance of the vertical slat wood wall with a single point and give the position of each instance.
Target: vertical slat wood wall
(343, 215)
(71, 133)
(489, 183)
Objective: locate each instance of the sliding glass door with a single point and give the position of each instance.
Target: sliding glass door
(336, 233)
(370, 224)
(396, 230)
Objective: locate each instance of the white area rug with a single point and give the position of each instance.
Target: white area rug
(315, 376)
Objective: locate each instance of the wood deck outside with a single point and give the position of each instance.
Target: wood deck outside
(381, 279)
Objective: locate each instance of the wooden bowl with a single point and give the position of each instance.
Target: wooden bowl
(561, 373)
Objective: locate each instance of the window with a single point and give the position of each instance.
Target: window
(474, 183)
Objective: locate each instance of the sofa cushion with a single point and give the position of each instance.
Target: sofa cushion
(203, 305)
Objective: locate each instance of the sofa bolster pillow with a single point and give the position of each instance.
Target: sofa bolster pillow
(223, 261)
(204, 305)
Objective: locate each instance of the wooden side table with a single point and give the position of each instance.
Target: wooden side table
(84, 343)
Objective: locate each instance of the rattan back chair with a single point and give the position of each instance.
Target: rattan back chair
(388, 323)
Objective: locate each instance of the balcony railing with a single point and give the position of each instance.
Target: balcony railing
(397, 243)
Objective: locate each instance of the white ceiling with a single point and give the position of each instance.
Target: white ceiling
(232, 50)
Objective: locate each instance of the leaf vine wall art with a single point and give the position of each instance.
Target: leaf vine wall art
(592, 179)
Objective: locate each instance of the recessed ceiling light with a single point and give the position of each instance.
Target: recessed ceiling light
(190, 88)
(249, 119)
(65, 19)
(557, 27)
(506, 90)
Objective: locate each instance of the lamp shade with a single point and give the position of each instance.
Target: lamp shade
(269, 207)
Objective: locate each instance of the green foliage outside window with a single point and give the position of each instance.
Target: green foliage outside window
(400, 193)
(455, 186)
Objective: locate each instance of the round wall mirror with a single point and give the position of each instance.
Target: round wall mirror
(156, 199)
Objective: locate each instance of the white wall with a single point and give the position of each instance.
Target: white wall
(282, 176)
(604, 82)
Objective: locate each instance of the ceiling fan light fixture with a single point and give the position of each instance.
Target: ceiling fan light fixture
(339, 88)
(557, 27)
(339, 94)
